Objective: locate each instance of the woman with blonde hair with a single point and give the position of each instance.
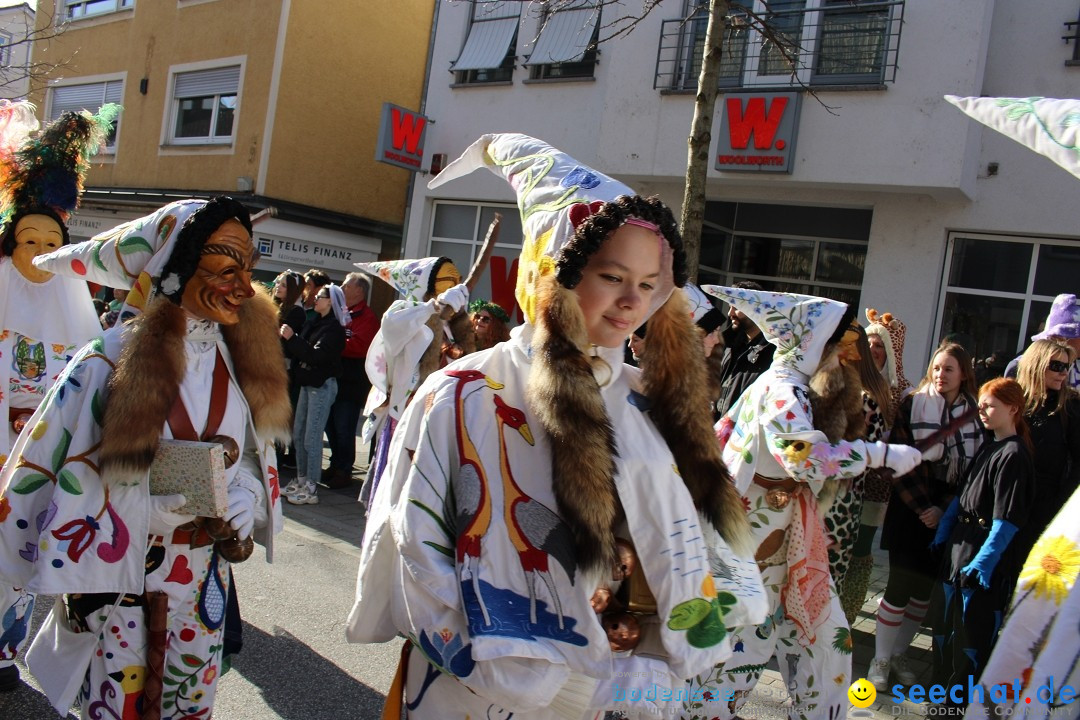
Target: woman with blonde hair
(1052, 412)
(919, 499)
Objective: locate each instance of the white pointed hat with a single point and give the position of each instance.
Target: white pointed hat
(555, 193)
(134, 254)
(800, 326)
(1049, 126)
(706, 315)
(411, 278)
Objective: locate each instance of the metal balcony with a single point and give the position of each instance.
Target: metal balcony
(837, 44)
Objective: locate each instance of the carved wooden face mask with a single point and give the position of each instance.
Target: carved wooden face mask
(222, 281)
(35, 235)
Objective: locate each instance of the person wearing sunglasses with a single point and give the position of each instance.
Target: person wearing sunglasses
(1052, 412)
(317, 350)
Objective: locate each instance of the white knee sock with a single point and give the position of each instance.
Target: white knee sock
(913, 617)
(889, 619)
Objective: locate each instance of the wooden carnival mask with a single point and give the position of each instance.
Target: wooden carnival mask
(35, 235)
(222, 281)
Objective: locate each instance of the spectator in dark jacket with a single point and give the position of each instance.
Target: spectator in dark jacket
(313, 281)
(353, 383)
(317, 350)
(288, 287)
(746, 355)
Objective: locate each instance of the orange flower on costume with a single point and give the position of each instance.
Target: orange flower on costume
(5, 509)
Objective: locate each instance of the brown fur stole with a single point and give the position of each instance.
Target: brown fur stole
(566, 398)
(836, 402)
(151, 367)
(674, 377)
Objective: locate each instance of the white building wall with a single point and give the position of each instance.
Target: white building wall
(919, 163)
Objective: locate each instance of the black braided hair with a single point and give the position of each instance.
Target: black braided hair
(192, 237)
(7, 238)
(574, 256)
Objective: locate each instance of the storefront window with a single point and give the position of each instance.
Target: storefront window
(458, 231)
(1000, 288)
(786, 248)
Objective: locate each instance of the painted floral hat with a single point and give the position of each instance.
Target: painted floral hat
(707, 316)
(800, 326)
(555, 193)
(1049, 126)
(411, 278)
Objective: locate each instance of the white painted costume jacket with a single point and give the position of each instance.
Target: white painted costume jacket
(465, 555)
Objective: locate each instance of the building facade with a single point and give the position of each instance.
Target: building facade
(276, 102)
(891, 198)
(16, 42)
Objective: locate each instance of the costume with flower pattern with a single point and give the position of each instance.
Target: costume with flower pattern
(471, 546)
(76, 506)
(781, 464)
(394, 360)
(43, 319)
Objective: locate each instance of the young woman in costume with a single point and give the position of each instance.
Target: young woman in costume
(918, 501)
(490, 323)
(981, 560)
(513, 472)
(317, 350)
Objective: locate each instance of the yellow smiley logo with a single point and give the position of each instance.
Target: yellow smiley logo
(861, 693)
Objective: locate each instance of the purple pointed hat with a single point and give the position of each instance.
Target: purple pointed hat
(1063, 320)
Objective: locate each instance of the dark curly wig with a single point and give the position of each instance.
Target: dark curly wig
(193, 235)
(612, 215)
(7, 238)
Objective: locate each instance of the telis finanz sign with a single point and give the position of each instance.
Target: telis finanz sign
(757, 132)
(401, 137)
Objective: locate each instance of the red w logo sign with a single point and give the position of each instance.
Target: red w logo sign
(755, 121)
(407, 129)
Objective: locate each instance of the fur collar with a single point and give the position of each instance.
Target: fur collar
(837, 405)
(564, 395)
(151, 367)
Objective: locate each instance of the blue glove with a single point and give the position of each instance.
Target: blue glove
(982, 566)
(946, 524)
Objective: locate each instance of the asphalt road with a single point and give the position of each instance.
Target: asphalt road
(295, 664)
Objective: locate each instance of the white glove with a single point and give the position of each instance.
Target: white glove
(456, 297)
(163, 518)
(901, 459)
(241, 512)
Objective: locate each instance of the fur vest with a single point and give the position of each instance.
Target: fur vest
(146, 381)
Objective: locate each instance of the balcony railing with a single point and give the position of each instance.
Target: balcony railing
(838, 43)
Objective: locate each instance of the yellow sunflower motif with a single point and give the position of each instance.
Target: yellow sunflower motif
(1051, 568)
(798, 451)
(533, 265)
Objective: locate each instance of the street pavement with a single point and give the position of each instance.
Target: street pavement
(296, 665)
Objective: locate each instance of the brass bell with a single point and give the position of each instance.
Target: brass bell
(235, 550)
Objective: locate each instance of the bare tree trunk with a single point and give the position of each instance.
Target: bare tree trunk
(697, 161)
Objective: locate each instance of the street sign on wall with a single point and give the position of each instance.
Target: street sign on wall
(758, 132)
(401, 137)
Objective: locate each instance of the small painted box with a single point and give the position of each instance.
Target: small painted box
(195, 470)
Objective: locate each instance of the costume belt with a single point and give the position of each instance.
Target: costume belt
(778, 491)
(970, 518)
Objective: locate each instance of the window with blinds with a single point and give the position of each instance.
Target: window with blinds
(89, 97)
(77, 9)
(204, 105)
(566, 47)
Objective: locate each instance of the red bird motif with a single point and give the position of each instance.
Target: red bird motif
(472, 498)
(536, 531)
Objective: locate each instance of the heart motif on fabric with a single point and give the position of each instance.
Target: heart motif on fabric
(180, 572)
(580, 211)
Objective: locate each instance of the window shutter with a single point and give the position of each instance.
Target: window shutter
(217, 81)
(565, 36)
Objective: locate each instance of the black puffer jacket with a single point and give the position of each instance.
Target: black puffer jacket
(317, 350)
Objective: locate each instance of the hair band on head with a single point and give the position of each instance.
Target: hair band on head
(653, 227)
